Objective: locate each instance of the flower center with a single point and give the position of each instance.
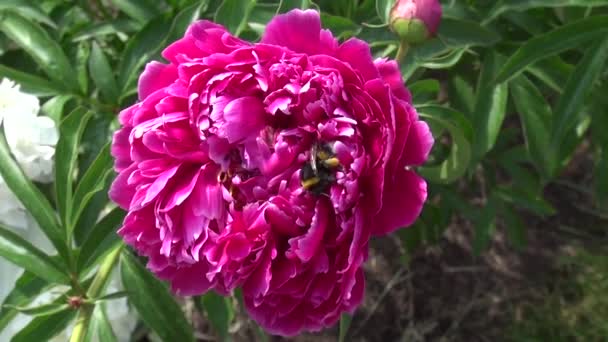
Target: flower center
(319, 173)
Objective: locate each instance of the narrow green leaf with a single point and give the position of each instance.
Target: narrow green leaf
(26, 288)
(121, 25)
(383, 9)
(345, 321)
(460, 130)
(186, 17)
(152, 300)
(502, 6)
(31, 198)
(490, 106)
(461, 95)
(103, 75)
(234, 14)
(46, 327)
(110, 296)
(551, 43)
(93, 181)
(536, 116)
(54, 107)
(140, 10)
(28, 9)
(82, 57)
(576, 90)
(219, 311)
(522, 199)
(516, 230)
(485, 225)
(140, 49)
(553, 71)
(458, 33)
(101, 239)
(41, 310)
(23, 254)
(66, 155)
(100, 326)
(43, 49)
(30, 84)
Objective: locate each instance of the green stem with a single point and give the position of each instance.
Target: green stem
(86, 311)
(402, 51)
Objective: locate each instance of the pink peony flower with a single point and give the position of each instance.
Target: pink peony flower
(268, 167)
(415, 20)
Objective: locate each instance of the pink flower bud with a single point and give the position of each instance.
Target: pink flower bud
(415, 20)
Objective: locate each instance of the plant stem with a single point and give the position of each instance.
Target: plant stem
(402, 51)
(86, 311)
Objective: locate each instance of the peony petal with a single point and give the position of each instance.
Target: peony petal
(418, 145)
(299, 31)
(155, 76)
(358, 54)
(390, 73)
(402, 201)
(244, 118)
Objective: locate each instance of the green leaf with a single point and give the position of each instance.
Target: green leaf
(458, 33)
(30, 84)
(485, 225)
(41, 310)
(93, 181)
(110, 296)
(535, 115)
(186, 17)
(43, 49)
(152, 300)
(219, 311)
(233, 14)
(101, 239)
(522, 199)
(46, 327)
(341, 27)
(601, 181)
(490, 106)
(502, 6)
(140, 10)
(100, 326)
(31, 198)
(66, 156)
(140, 49)
(345, 321)
(54, 107)
(553, 71)
(461, 95)
(26, 288)
(460, 130)
(576, 90)
(23, 254)
(103, 75)
(288, 5)
(383, 9)
(428, 229)
(424, 91)
(561, 39)
(82, 57)
(28, 9)
(516, 230)
(116, 26)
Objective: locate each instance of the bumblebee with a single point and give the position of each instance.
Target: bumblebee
(319, 172)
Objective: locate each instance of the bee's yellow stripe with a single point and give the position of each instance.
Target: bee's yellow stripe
(309, 183)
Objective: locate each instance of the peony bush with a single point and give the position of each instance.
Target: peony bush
(179, 170)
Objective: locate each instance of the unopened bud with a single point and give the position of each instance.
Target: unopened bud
(415, 20)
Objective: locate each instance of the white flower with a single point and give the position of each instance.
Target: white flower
(32, 138)
(32, 141)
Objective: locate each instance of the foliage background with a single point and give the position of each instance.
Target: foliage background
(514, 91)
